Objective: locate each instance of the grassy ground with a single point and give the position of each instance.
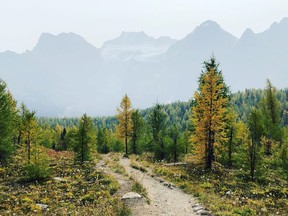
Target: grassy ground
(79, 190)
(226, 192)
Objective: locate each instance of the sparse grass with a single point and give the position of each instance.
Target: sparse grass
(138, 188)
(81, 190)
(115, 166)
(138, 166)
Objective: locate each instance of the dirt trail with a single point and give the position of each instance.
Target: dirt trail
(168, 201)
(163, 200)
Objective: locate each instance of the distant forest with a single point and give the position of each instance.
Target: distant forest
(178, 112)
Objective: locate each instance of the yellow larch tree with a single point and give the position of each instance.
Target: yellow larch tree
(209, 116)
(124, 117)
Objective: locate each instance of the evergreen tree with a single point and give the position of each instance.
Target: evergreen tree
(62, 139)
(255, 133)
(212, 63)
(271, 113)
(102, 141)
(30, 131)
(209, 114)
(231, 130)
(8, 117)
(174, 134)
(157, 124)
(124, 118)
(136, 130)
(84, 139)
(22, 110)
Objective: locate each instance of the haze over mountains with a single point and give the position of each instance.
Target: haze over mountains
(64, 75)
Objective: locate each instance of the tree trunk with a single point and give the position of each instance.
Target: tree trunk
(230, 148)
(82, 149)
(175, 150)
(162, 150)
(253, 160)
(19, 138)
(210, 150)
(29, 151)
(29, 147)
(134, 144)
(126, 145)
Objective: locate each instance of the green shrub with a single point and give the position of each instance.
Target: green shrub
(38, 171)
(244, 212)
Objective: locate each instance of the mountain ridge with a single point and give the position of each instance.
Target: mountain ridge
(65, 75)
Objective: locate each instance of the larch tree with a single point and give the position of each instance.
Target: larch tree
(209, 115)
(136, 130)
(125, 125)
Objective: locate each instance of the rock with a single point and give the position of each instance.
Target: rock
(263, 209)
(60, 179)
(228, 193)
(198, 208)
(131, 195)
(42, 206)
(204, 213)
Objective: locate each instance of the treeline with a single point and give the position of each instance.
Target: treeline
(243, 103)
(179, 112)
(176, 112)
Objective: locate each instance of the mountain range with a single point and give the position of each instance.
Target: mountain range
(64, 75)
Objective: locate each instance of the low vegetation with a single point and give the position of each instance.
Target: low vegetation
(77, 189)
(228, 191)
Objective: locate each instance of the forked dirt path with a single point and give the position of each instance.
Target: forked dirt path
(163, 200)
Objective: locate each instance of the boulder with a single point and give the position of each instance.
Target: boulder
(60, 179)
(42, 206)
(131, 195)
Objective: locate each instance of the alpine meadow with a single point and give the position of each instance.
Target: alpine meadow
(144, 125)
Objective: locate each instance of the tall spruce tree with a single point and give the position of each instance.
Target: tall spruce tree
(270, 107)
(255, 126)
(8, 117)
(22, 110)
(136, 130)
(174, 134)
(84, 139)
(158, 125)
(30, 132)
(124, 117)
(102, 141)
(231, 131)
(209, 114)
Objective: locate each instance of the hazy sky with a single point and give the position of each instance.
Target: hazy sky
(22, 21)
